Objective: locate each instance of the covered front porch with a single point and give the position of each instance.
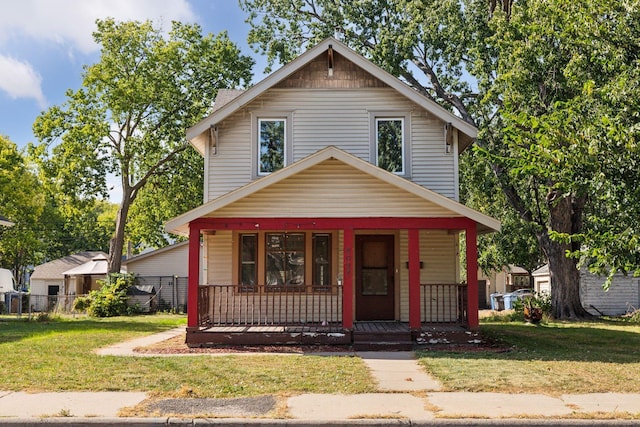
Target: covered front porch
(341, 311)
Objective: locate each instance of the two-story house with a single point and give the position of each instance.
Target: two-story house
(330, 209)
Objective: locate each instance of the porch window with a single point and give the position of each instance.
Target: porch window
(321, 260)
(271, 145)
(285, 259)
(248, 257)
(390, 144)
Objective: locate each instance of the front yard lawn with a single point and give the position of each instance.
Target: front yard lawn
(59, 355)
(554, 358)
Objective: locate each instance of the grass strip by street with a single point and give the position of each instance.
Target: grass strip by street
(59, 355)
(552, 358)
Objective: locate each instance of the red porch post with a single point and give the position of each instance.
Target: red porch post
(194, 275)
(472, 276)
(347, 280)
(414, 279)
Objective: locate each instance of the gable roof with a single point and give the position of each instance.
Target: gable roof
(55, 269)
(97, 266)
(180, 224)
(230, 103)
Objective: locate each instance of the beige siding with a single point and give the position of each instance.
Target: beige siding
(220, 258)
(173, 262)
(341, 118)
(438, 254)
(230, 167)
(332, 189)
(622, 296)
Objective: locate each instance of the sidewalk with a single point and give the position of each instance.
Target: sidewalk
(406, 396)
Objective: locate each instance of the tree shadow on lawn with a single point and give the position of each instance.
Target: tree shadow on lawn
(584, 342)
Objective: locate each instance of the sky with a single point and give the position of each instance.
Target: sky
(45, 43)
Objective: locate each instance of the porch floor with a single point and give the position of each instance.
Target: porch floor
(369, 335)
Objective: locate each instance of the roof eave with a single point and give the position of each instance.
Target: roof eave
(195, 133)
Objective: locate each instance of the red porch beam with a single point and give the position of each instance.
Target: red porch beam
(194, 275)
(472, 276)
(347, 279)
(414, 279)
(361, 223)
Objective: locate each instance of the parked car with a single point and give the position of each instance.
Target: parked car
(522, 293)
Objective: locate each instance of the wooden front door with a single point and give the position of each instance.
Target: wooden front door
(375, 277)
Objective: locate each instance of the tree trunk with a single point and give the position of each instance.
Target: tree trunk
(116, 245)
(565, 217)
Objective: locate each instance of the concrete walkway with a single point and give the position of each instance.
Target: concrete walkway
(406, 395)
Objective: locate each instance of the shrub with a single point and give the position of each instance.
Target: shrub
(111, 299)
(81, 303)
(523, 307)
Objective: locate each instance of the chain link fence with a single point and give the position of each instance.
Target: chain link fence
(150, 294)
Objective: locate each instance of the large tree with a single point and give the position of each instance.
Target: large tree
(130, 116)
(514, 69)
(22, 201)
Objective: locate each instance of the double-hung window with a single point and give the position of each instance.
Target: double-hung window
(390, 142)
(272, 141)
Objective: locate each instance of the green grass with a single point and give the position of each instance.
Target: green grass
(553, 358)
(59, 355)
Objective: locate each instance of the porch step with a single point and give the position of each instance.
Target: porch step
(387, 337)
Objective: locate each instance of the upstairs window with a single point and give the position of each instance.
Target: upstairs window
(271, 145)
(389, 144)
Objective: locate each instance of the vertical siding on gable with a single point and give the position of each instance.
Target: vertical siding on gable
(338, 117)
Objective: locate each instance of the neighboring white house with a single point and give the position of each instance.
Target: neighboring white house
(542, 280)
(165, 272)
(623, 294)
(47, 280)
(167, 261)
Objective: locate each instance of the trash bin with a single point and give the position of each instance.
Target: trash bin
(509, 299)
(496, 299)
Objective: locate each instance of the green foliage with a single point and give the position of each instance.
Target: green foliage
(553, 88)
(23, 202)
(129, 118)
(111, 299)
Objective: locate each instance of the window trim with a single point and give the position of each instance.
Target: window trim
(405, 117)
(308, 285)
(256, 118)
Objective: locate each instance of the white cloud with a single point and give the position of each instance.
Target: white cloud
(71, 22)
(19, 80)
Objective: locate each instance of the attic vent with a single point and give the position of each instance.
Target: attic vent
(330, 60)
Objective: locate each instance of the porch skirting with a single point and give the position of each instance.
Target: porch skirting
(363, 336)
